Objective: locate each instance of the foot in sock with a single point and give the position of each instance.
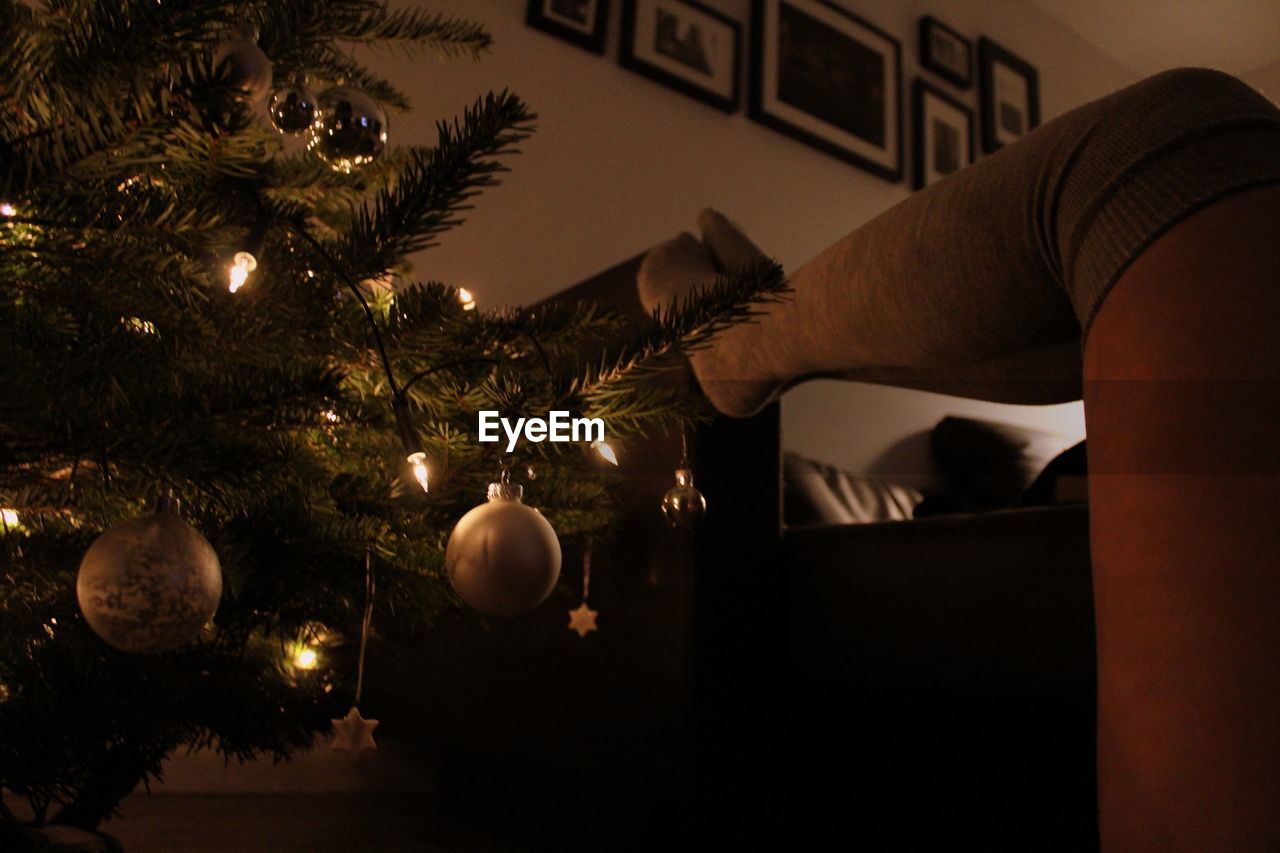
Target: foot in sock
(734, 371)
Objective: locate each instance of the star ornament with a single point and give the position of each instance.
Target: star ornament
(353, 732)
(582, 620)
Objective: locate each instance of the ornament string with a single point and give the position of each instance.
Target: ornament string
(366, 622)
(586, 569)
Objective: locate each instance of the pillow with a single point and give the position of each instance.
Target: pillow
(988, 465)
(816, 493)
(1063, 481)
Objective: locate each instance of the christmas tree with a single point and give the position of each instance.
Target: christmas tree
(196, 307)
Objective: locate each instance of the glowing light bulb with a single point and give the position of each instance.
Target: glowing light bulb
(305, 657)
(137, 324)
(606, 452)
(419, 463)
(7, 209)
(238, 273)
(468, 301)
(332, 417)
(9, 518)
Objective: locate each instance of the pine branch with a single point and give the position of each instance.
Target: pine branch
(436, 183)
(686, 324)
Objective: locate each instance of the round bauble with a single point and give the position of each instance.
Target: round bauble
(293, 108)
(149, 584)
(503, 557)
(351, 129)
(248, 67)
(683, 505)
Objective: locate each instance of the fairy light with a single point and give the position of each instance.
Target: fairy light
(242, 264)
(305, 657)
(413, 452)
(468, 301)
(7, 209)
(419, 462)
(606, 452)
(331, 416)
(10, 521)
(139, 325)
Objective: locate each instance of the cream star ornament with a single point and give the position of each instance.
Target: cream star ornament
(582, 620)
(353, 732)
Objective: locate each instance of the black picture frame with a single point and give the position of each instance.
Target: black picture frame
(580, 22)
(854, 114)
(945, 52)
(938, 154)
(1009, 95)
(686, 46)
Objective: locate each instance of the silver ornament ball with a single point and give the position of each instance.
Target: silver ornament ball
(683, 505)
(293, 109)
(351, 129)
(248, 66)
(149, 584)
(503, 557)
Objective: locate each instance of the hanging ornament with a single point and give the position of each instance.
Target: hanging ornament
(503, 557)
(582, 618)
(683, 505)
(353, 732)
(293, 109)
(248, 67)
(151, 583)
(351, 129)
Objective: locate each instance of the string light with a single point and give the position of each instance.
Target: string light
(238, 273)
(9, 519)
(468, 301)
(419, 462)
(331, 416)
(606, 452)
(137, 324)
(7, 209)
(303, 656)
(413, 452)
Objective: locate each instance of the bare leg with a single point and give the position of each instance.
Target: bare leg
(1182, 401)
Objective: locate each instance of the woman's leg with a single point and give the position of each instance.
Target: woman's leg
(980, 285)
(1148, 222)
(1182, 404)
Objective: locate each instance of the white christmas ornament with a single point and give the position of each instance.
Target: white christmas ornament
(503, 557)
(353, 732)
(151, 583)
(249, 67)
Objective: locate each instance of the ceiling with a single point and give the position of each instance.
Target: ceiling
(1237, 36)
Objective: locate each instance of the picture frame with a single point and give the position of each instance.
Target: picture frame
(580, 22)
(683, 45)
(942, 133)
(1009, 95)
(826, 77)
(945, 52)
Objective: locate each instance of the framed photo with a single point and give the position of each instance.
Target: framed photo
(945, 52)
(1009, 91)
(828, 78)
(582, 22)
(684, 45)
(943, 131)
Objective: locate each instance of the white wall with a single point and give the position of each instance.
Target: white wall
(620, 163)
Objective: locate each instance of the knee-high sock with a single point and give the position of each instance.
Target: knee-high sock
(983, 284)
